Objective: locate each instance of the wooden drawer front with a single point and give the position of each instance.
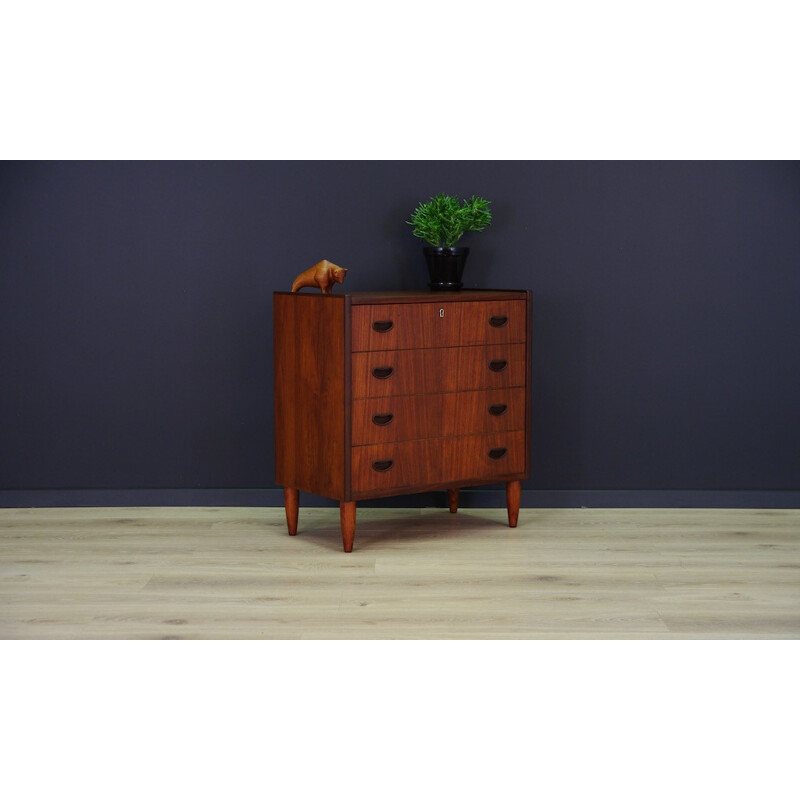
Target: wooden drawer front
(452, 369)
(478, 457)
(398, 465)
(395, 419)
(498, 322)
(405, 326)
(395, 465)
(487, 411)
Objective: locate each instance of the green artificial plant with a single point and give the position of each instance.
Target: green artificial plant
(443, 220)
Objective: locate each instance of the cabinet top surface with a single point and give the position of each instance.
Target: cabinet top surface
(421, 296)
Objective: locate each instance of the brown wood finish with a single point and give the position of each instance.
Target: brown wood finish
(396, 419)
(415, 464)
(470, 457)
(528, 381)
(309, 392)
(348, 401)
(452, 500)
(347, 521)
(493, 322)
(414, 416)
(395, 465)
(513, 493)
(408, 326)
(487, 411)
(291, 502)
(436, 370)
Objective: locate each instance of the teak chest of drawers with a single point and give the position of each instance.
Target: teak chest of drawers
(380, 394)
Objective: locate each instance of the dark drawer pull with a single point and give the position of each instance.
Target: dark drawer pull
(498, 366)
(382, 419)
(497, 452)
(383, 325)
(498, 322)
(382, 466)
(498, 410)
(382, 372)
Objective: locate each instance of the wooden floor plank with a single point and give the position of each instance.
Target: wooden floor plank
(234, 573)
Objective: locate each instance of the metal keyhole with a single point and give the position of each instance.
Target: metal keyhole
(441, 312)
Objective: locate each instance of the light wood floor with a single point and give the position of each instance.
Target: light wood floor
(234, 573)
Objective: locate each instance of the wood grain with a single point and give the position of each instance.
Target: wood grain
(433, 324)
(233, 573)
(291, 503)
(413, 464)
(488, 411)
(513, 494)
(466, 458)
(429, 416)
(528, 380)
(347, 522)
(444, 402)
(309, 366)
(452, 500)
(436, 370)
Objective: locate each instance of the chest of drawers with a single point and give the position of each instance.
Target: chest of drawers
(380, 394)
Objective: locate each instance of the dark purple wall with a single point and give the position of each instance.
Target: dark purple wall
(135, 312)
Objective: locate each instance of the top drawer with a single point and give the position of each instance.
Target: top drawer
(405, 326)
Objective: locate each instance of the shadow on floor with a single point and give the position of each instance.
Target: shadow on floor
(431, 525)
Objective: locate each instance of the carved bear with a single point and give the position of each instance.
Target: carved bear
(323, 274)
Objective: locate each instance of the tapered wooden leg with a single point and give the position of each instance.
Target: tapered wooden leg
(347, 517)
(452, 499)
(512, 501)
(291, 500)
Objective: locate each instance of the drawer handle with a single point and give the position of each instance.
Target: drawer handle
(382, 419)
(383, 325)
(498, 366)
(497, 452)
(382, 372)
(498, 322)
(498, 410)
(382, 466)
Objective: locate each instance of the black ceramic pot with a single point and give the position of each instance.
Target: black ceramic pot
(445, 267)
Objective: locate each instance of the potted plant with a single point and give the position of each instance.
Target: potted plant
(441, 222)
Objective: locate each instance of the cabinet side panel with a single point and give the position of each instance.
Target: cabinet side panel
(309, 393)
(347, 444)
(284, 403)
(528, 382)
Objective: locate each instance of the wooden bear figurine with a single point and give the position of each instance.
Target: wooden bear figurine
(323, 274)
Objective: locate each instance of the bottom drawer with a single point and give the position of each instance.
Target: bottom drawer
(431, 462)
(395, 465)
(483, 457)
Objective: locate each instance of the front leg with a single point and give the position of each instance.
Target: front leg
(347, 517)
(513, 491)
(291, 500)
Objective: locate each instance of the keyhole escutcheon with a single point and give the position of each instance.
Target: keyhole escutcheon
(441, 313)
